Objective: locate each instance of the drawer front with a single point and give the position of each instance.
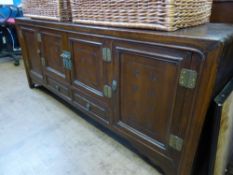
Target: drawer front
(91, 106)
(59, 89)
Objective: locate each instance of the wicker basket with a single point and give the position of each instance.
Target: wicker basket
(58, 10)
(168, 15)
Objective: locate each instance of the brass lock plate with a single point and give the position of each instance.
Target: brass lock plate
(42, 61)
(66, 58)
(188, 78)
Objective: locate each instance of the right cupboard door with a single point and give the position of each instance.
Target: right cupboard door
(151, 107)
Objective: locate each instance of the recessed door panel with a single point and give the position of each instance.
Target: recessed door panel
(52, 48)
(89, 73)
(88, 64)
(147, 94)
(150, 98)
(33, 54)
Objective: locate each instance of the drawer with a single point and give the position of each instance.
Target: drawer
(59, 89)
(91, 106)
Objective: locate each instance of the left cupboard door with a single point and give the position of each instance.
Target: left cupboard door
(56, 61)
(31, 55)
(54, 50)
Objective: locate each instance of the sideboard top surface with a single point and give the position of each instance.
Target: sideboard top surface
(210, 32)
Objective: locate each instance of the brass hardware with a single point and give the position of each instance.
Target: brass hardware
(107, 56)
(107, 91)
(188, 78)
(114, 85)
(42, 61)
(58, 88)
(88, 107)
(176, 142)
(39, 37)
(66, 58)
(38, 51)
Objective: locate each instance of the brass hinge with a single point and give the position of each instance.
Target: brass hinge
(39, 37)
(107, 91)
(42, 61)
(188, 78)
(66, 58)
(107, 55)
(39, 52)
(176, 142)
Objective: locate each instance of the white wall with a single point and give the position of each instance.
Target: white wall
(6, 2)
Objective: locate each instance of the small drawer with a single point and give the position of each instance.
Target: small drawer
(59, 89)
(94, 108)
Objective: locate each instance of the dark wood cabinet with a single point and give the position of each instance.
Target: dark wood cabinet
(152, 88)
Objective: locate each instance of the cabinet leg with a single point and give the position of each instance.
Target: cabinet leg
(31, 85)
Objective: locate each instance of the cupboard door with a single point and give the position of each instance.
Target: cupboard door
(52, 47)
(32, 53)
(151, 107)
(147, 94)
(90, 72)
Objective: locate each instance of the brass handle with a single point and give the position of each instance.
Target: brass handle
(66, 58)
(65, 55)
(88, 107)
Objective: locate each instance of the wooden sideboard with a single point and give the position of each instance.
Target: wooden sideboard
(152, 88)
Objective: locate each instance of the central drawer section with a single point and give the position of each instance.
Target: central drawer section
(92, 106)
(59, 89)
(90, 74)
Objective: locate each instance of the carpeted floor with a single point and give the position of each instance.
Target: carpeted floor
(41, 136)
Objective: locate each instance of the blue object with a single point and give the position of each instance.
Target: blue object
(17, 2)
(5, 11)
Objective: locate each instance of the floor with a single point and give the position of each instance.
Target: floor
(41, 136)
